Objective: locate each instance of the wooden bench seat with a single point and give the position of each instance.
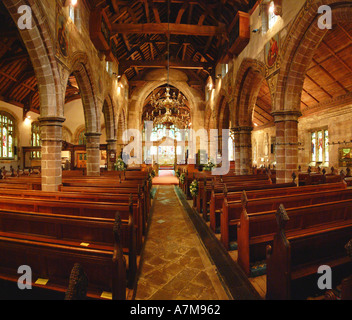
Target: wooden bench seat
(76, 208)
(52, 260)
(87, 231)
(256, 230)
(80, 196)
(217, 198)
(293, 260)
(231, 204)
(205, 188)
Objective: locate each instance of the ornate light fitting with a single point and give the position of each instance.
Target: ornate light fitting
(167, 102)
(169, 117)
(171, 105)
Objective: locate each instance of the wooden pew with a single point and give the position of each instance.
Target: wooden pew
(257, 191)
(236, 183)
(79, 230)
(293, 259)
(261, 200)
(108, 186)
(76, 208)
(256, 230)
(53, 260)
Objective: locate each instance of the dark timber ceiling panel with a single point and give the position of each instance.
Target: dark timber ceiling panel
(330, 73)
(18, 84)
(197, 33)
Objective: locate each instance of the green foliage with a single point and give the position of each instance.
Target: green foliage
(193, 188)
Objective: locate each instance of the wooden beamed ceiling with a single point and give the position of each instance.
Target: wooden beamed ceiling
(18, 83)
(329, 76)
(198, 32)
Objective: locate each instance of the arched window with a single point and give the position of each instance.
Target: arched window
(35, 141)
(74, 15)
(82, 139)
(272, 17)
(320, 146)
(7, 136)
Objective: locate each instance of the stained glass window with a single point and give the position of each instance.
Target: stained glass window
(314, 148)
(72, 13)
(82, 139)
(36, 142)
(326, 133)
(320, 146)
(7, 133)
(160, 131)
(272, 17)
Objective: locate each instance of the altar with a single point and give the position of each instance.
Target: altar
(166, 155)
(166, 152)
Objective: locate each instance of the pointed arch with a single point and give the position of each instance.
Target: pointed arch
(249, 79)
(79, 67)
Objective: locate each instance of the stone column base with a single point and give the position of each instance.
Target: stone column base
(286, 123)
(93, 154)
(51, 137)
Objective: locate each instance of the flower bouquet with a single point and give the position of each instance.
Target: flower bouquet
(193, 188)
(209, 166)
(120, 165)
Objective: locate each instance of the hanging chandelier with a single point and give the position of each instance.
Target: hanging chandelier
(168, 107)
(167, 102)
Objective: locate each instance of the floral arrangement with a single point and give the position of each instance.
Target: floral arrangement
(209, 166)
(151, 175)
(182, 178)
(177, 174)
(193, 188)
(120, 165)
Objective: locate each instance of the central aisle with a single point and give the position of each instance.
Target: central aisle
(175, 264)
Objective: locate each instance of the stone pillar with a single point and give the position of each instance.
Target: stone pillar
(286, 123)
(51, 137)
(237, 151)
(245, 150)
(93, 153)
(112, 146)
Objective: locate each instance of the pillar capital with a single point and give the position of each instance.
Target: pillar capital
(242, 129)
(92, 134)
(51, 121)
(286, 115)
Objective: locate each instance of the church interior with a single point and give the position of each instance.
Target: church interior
(175, 150)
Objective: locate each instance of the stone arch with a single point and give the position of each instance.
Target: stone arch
(109, 118)
(79, 67)
(40, 49)
(250, 76)
(249, 79)
(178, 79)
(121, 127)
(300, 44)
(298, 49)
(223, 114)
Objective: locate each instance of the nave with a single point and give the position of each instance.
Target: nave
(175, 263)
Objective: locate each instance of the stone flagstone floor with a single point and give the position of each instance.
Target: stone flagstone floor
(175, 265)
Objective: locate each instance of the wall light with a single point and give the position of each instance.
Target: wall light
(27, 120)
(73, 2)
